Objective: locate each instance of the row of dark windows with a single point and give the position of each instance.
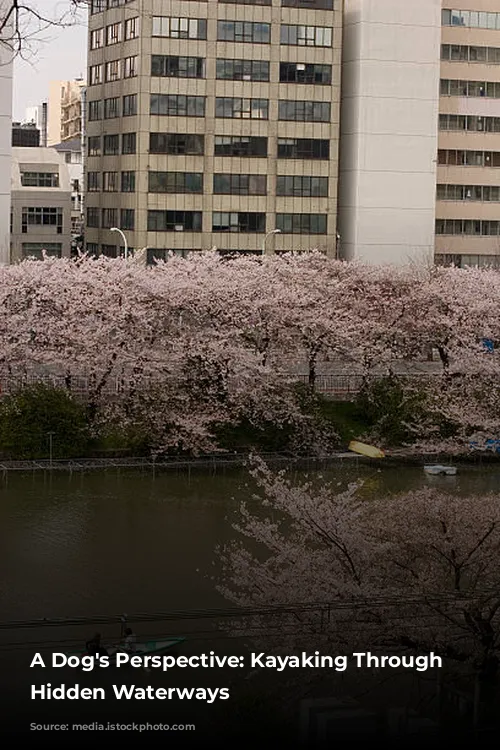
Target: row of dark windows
(226, 107)
(191, 144)
(468, 227)
(482, 193)
(470, 53)
(240, 70)
(460, 158)
(171, 27)
(115, 106)
(223, 184)
(471, 123)
(454, 87)
(222, 221)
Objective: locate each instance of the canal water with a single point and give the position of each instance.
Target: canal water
(103, 543)
(100, 544)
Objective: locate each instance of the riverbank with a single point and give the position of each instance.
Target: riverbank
(221, 462)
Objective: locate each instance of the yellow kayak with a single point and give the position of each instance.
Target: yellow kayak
(366, 450)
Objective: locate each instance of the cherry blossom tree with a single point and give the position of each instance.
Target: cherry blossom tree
(411, 573)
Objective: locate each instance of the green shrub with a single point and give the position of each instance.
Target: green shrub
(392, 410)
(29, 416)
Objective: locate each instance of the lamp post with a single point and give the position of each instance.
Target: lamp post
(269, 234)
(125, 243)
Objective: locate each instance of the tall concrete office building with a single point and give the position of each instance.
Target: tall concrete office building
(213, 124)
(468, 179)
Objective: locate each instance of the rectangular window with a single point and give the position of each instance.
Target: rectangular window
(175, 182)
(240, 145)
(481, 193)
(111, 108)
(37, 249)
(303, 148)
(177, 105)
(109, 217)
(95, 111)
(310, 4)
(243, 31)
(112, 71)
(131, 28)
(110, 182)
(130, 105)
(240, 184)
(127, 219)
(174, 221)
(130, 67)
(177, 67)
(97, 6)
(306, 36)
(94, 145)
(93, 217)
(241, 109)
(180, 28)
(176, 143)
(96, 39)
(93, 182)
(113, 33)
(95, 75)
(248, 2)
(304, 111)
(302, 223)
(40, 179)
(245, 221)
(305, 73)
(469, 158)
(301, 186)
(242, 70)
(128, 182)
(34, 216)
(111, 145)
(470, 19)
(129, 143)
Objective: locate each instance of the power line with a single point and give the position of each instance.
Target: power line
(241, 612)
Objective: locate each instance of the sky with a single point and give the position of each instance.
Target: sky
(58, 55)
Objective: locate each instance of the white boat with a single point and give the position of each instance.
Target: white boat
(438, 470)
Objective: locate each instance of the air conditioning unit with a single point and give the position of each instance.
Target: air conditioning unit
(179, 227)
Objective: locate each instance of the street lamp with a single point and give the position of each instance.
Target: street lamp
(269, 234)
(125, 243)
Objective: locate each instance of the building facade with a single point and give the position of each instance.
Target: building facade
(25, 135)
(41, 204)
(6, 73)
(468, 179)
(64, 116)
(390, 103)
(213, 124)
(71, 152)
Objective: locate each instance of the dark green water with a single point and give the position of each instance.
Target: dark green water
(103, 544)
(106, 542)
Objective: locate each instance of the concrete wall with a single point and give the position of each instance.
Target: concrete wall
(6, 73)
(390, 104)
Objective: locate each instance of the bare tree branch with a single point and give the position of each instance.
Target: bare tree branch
(22, 23)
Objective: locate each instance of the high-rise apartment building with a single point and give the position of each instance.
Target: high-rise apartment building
(64, 121)
(468, 180)
(213, 124)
